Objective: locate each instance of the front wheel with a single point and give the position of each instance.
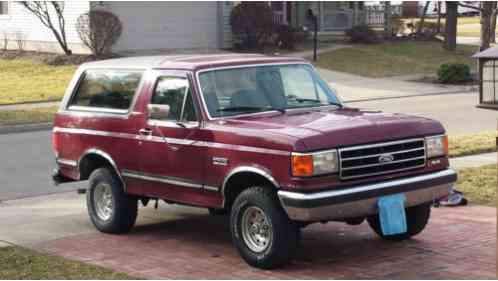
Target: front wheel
(417, 218)
(261, 231)
(110, 208)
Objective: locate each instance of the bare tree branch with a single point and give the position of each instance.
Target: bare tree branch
(42, 11)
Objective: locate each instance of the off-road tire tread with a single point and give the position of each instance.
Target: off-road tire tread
(286, 232)
(126, 207)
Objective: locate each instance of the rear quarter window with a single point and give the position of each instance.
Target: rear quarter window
(106, 89)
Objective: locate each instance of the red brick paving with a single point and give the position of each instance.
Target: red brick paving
(459, 243)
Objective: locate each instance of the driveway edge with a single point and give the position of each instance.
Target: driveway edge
(30, 127)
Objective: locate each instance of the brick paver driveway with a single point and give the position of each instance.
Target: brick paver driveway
(458, 243)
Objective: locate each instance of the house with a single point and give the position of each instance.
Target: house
(176, 26)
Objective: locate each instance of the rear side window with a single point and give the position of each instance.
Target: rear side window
(107, 89)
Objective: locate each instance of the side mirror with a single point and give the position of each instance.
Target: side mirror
(158, 111)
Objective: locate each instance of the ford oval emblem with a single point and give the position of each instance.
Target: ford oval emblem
(386, 158)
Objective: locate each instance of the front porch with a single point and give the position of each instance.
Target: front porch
(333, 17)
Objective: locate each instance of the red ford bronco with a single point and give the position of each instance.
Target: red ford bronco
(261, 138)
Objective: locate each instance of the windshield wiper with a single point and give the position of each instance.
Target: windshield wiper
(250, 108)
(318, 101)
(243, 108)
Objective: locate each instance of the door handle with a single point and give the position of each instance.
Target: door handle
(145, 132)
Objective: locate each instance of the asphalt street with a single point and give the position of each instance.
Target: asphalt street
(28, 159)
(26, 166)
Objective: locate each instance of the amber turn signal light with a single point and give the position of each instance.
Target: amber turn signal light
(302, 165)
(446, 145)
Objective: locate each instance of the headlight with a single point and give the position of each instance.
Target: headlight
(313, 164)
(436, 146)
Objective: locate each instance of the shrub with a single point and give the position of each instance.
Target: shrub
(252, 23)
(450, 73)
(362, 34)
(287, 36)
(99, 31)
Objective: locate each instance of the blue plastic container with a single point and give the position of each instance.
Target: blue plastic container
(392, 214)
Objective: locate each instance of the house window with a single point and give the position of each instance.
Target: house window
(4, 8)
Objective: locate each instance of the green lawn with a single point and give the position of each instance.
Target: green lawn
(394, 58)
(25, 80)
(479, 184)
(20, 263)
(39, 115)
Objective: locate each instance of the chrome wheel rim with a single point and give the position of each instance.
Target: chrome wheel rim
(103, 201)
(256, 229)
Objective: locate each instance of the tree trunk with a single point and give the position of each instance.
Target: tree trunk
(451, 25)
(388, 27)
(438, 17)
(422, 17)
(494, 13)
(486, 25)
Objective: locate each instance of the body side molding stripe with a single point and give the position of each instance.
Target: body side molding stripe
(162, 179)
(244, 148)
(67, 162)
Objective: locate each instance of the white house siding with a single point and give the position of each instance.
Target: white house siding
(166, 25)
(19, 23)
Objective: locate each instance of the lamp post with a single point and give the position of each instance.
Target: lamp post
(312, 17)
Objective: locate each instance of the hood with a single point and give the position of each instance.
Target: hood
(318, 129)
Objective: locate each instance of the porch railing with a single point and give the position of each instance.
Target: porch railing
(278, 18)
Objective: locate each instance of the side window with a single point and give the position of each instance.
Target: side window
(175, 92)
(110, 89)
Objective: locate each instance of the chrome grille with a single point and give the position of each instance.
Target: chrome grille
(381, 158)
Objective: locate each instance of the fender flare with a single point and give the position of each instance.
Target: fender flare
(106, 156)
(248, 169)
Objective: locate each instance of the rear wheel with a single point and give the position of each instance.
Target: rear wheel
(417, 218)
(261, 231)
(110, 209)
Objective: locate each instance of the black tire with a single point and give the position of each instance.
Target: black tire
(417, 218)
(284, 235)
(123, 210)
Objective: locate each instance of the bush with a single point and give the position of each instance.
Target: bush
(451, 73)
(252, 23)
(99, 31)
(362, 34)
(287, 36)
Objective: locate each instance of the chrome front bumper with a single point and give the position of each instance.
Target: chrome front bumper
(360, 201)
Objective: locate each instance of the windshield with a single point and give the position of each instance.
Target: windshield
(229, 92)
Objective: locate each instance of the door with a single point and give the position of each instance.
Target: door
(171, 164)
(166, 24)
